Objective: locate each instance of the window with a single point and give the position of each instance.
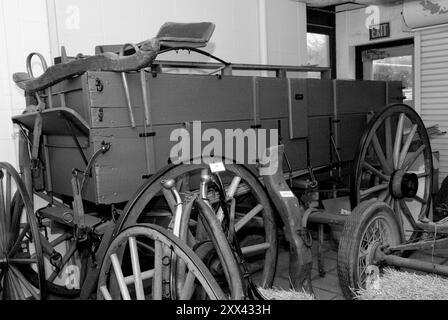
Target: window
(396, 69)
(388, 61)
(318, 49)
(321, 38)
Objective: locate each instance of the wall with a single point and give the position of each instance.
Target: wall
(23, 29)
(83, 24)
(239, 38)
(431, 98)
(249, 31)
(286, 32)
(351, 31)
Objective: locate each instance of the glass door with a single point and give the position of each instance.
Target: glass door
(395, 63)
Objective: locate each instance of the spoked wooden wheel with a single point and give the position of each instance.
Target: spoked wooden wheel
(371, 226)
(394, 165)
(20, 245)
(254, 217)
(145, 252)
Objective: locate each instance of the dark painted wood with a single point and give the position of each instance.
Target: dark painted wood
(298, 110)
(105, 62)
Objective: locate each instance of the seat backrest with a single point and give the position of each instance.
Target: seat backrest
(195, 35)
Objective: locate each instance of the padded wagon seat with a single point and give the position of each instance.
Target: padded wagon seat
(195, 35)
(171, 35)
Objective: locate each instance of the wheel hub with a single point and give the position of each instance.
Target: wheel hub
(372, 257)
(3, 263)
(404, 185)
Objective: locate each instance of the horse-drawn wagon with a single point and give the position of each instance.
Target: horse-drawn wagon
(122, 221)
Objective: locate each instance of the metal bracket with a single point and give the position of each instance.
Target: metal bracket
(147, 135)
(37, 135)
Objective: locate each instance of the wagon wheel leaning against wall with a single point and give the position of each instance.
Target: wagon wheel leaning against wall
(394, 164)
(20, 245)
(254, 218)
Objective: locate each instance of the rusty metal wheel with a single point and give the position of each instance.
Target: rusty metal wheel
(373, 224)
(138, 260)
(252, 210)
(20, 245)
(394, 164)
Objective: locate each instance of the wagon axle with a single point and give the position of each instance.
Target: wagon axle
(382, 258)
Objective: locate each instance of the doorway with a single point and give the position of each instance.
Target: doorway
(388, 61)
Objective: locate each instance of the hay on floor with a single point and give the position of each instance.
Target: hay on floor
(396, 285)
(277, 294)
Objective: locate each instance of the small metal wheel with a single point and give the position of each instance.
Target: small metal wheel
(394, 164)
(20, 245)
(254, 216)
(372, 225)
(138, 260)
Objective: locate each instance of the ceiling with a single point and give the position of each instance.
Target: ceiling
(324, 3)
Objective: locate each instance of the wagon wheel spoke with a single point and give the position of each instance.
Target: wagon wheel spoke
(410, 162)
(11, 291)
(365, 193)
(397, 209)
(189, 287)
(158, 267)
(389, 146)
(380, 154)
(147, 275)
(4, 225)
(375, 171)
(383, 195)
(19, 240)
(255, 249)
(119, 276)
(106, 294)
(388, 199)
(231, 191)
(170, 200)
(233, 187)
(16, 287)
(398, 140)
(136, 269)
(407, 213)
(29, 287)
(407, 145)
(249, 216)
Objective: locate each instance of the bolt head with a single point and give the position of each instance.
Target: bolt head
(168, 184)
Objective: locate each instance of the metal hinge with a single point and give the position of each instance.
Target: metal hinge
(147, 135)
